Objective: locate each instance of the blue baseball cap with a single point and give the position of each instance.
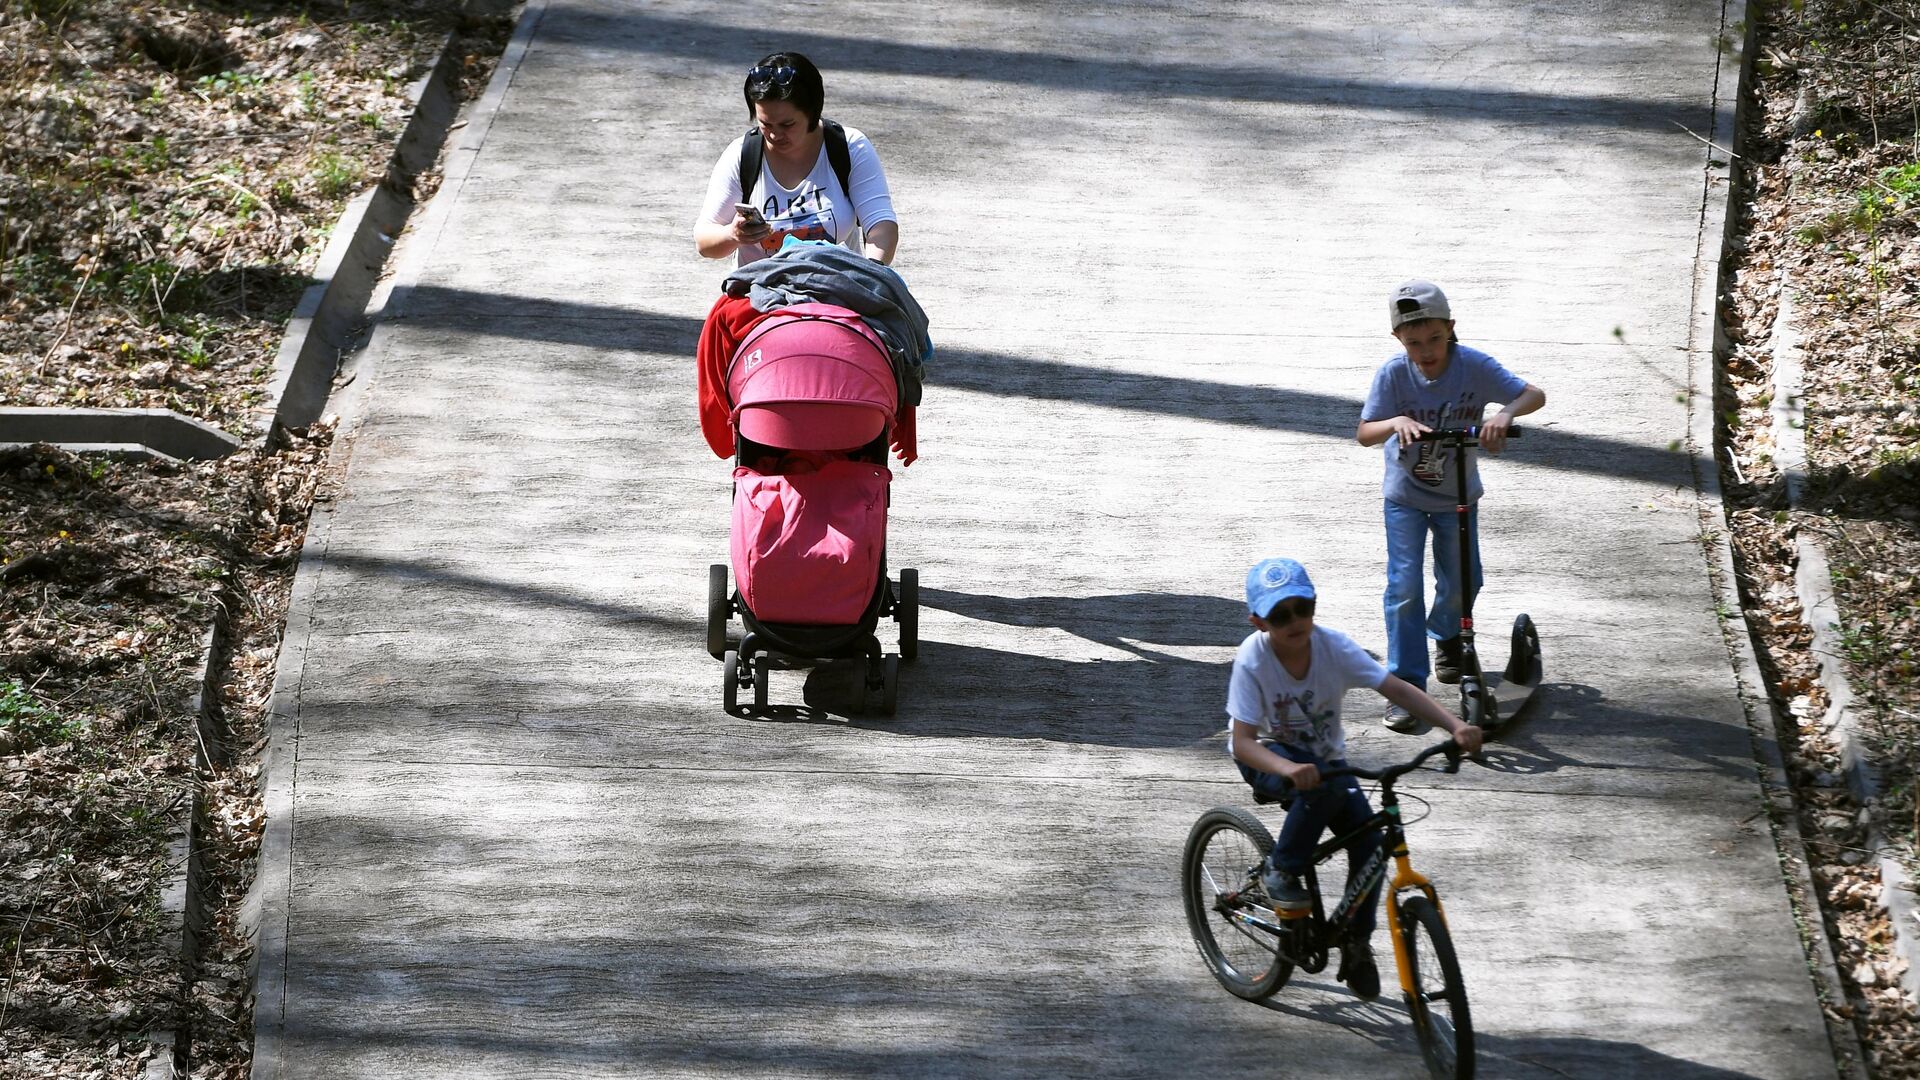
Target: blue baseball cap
(1274, 580)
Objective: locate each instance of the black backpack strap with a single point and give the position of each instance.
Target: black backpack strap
(753, 154)
(840, 158)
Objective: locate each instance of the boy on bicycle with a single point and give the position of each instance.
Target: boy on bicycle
(1283, 707)
(1434, 382)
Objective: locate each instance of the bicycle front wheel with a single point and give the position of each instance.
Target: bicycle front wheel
(1220, 877)
(1439, 1000)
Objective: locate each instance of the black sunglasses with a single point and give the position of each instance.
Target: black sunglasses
(1284, 612)
(762, 76)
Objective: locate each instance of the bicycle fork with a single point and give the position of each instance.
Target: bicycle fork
(1406, 879)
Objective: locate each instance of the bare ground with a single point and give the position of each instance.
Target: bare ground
(168, 175)
(1831, 217)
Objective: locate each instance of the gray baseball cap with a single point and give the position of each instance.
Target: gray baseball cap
(1417, 300)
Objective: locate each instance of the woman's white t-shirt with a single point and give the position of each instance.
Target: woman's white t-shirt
(815, 209)
(1300, 713)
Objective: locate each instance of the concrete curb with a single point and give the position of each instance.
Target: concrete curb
(1813, 585)
(331, 311)
(182, 909)
(160, 433)
(1707, 343)
(267, 909)
(323, 324)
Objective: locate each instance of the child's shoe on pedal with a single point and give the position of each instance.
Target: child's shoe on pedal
(1447, 660)
(1358, 970)
(1286, 891)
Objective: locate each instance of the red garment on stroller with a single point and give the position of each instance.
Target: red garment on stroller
(728, 323)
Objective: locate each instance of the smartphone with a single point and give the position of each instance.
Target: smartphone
(750, 212)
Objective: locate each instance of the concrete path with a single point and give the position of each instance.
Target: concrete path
(514, 835)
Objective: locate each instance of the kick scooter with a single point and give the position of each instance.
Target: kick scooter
(1486, 701)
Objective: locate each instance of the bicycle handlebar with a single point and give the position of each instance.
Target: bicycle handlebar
(1463, 435)
(1394, 772)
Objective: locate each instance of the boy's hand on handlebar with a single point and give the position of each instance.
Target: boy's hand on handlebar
(1408, 429)
(1305, 776)
(1493, 432)
(1468, 738)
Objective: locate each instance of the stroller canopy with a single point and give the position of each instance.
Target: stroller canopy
(812, 377)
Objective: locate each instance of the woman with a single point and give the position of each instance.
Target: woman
(798, 190)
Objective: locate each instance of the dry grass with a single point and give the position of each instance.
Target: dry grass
(1833, 219)
(168, 175)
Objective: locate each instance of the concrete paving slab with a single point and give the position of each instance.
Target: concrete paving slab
(1153, 241)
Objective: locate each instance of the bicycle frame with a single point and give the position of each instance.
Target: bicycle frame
(1333, 930)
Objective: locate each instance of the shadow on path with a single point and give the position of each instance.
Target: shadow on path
(1386, 1023)
(1266, 408)
(1105, 72)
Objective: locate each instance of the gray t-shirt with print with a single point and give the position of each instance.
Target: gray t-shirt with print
(1424, 477)
(1302, 713)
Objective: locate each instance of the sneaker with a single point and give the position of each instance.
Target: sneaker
(1358, 971)
(1402, 721)
(1286, 891)
(1447, 660)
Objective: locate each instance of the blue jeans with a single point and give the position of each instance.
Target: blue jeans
(1336, 804)
(1409, 622)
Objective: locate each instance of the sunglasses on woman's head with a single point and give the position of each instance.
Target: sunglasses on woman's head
(761, 76)
(1284, 612)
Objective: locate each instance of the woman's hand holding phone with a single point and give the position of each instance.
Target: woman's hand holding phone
(749, 226)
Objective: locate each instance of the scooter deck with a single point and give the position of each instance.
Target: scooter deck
(1514, 687)
(1512, 696)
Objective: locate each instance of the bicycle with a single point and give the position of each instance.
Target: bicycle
(1252, 948)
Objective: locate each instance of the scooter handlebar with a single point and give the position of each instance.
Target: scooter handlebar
(1464, 435)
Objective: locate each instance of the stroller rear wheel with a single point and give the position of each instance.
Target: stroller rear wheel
(907, 613)
(719, 610)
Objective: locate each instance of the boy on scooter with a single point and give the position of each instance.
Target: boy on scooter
(1283, 709)
(1434, 383)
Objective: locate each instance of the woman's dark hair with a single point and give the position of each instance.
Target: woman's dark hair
(787, 76)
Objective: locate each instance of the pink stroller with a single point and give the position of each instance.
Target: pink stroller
(813, 399)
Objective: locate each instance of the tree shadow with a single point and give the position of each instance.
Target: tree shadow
(1012, 375)
(1156, 80)
(1386, 1023)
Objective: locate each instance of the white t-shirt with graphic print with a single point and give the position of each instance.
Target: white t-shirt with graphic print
(815, 209)
(1300, 713)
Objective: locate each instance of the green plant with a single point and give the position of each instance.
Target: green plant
(226, 83)
(194, 354)
(309, 90)
(334, 175)
(28, 719)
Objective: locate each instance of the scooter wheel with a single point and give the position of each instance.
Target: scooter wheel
(1523, 662)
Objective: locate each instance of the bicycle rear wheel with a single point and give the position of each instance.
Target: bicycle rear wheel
(1220, 878)
(1439, 1000)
